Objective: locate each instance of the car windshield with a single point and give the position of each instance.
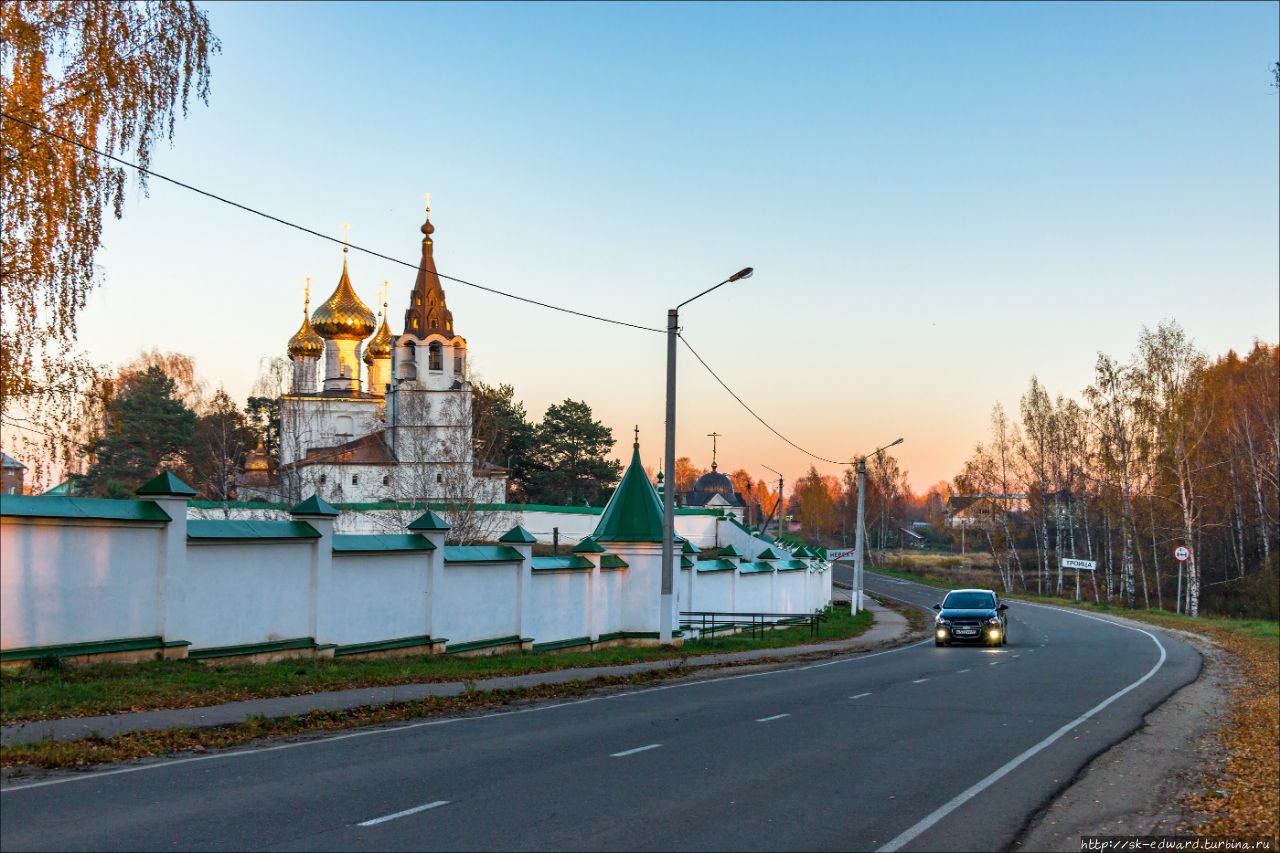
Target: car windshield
(969, 601)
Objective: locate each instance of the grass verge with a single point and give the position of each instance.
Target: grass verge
(1243, 799)
(39, 694)
(89, 751)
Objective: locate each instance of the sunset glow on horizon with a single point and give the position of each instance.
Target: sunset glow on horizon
(939, 201)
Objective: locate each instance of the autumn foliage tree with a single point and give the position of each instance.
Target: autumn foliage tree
(112, 76)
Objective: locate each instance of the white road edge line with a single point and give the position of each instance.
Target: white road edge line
(627, 752)
(405, 813)
(963, 670)
(860, 695)
(771, 719)
(8, 789)
(920, 681)
(968, 794)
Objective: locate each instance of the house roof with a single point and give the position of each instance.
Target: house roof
(371, 449)
(11, 463)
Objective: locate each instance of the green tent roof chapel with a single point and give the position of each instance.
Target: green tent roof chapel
(634, 512)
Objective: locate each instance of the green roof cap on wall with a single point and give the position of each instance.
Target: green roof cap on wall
(767, 554)
(481, 554)
(165, 484)
(729, 551)
(219, 528)
(517, 536)
(428, 521)
(612, 561)
(634, 513)
(40, 506)
(588, 546)
(572, 563)
(687, 547)
(315, 505)
(801, 552)
(368, 543)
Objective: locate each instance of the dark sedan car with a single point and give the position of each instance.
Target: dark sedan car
(970, 616)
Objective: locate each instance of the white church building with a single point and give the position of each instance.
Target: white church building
(371, 416)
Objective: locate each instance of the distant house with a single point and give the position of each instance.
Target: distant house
(970, 512)
(14, 475)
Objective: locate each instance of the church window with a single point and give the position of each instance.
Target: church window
(437, 356)
(439, 478)
(435, 324)
(457, 364)
(323, 477)
(386, 481)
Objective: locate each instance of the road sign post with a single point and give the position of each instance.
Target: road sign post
(1079, 566)
(1182, 553)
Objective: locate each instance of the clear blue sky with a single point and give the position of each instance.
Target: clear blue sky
(939, 201)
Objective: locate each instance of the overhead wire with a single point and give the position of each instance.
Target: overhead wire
(373, 253)
(321, 235)
(752, 411)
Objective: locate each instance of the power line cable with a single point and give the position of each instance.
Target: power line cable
(752, 411)
(322, 236)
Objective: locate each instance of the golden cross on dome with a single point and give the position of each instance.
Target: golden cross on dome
(637, 435)
(428, 199)
(306, 296)
(346, 227)
(713, 436)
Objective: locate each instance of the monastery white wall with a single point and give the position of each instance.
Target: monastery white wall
(561, 604)
(382, 595)
(240, 592)
(478, 602)
(65, 580)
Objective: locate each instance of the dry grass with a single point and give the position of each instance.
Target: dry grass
(134, 745)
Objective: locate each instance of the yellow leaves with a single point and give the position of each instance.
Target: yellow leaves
(1251, 804)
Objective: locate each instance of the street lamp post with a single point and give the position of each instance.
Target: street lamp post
(860, 533)
(669, 463)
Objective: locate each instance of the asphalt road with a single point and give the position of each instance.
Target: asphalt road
(919, 747)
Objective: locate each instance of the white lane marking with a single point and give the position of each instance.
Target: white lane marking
(405, 813)
(627, 752)
(7, 789)
(962, 670)
(1017, 656)
(771, 719)
(860, 695)
(968, 794)
(920, 681)
(995, 663)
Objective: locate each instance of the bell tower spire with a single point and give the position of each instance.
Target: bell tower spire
(428, 314)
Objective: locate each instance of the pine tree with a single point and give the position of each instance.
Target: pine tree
(147, 429)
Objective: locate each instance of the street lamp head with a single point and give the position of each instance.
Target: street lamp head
(745, 272)
(895, 443)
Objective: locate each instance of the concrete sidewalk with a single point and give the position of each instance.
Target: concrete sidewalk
(888, 627)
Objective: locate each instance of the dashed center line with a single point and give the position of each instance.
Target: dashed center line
(920, 681)
(962, 670)
(627, 752)
(994, 663)
(770, 719)
(860, 695)
(405, 813)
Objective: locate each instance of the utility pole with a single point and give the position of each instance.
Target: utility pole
(859, 534)
(669, 464)
(780, 505)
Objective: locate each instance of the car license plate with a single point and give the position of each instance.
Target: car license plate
(966, 630)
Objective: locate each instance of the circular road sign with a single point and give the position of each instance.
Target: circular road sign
(1182, 553)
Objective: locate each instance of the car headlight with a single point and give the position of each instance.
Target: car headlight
(938, 620)
(994, 620)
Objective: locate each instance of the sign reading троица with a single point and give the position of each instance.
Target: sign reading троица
(1082, 565)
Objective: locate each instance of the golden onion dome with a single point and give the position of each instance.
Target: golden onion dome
(257, 459)
(380, 345)
(343, 317)
(306, 343)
